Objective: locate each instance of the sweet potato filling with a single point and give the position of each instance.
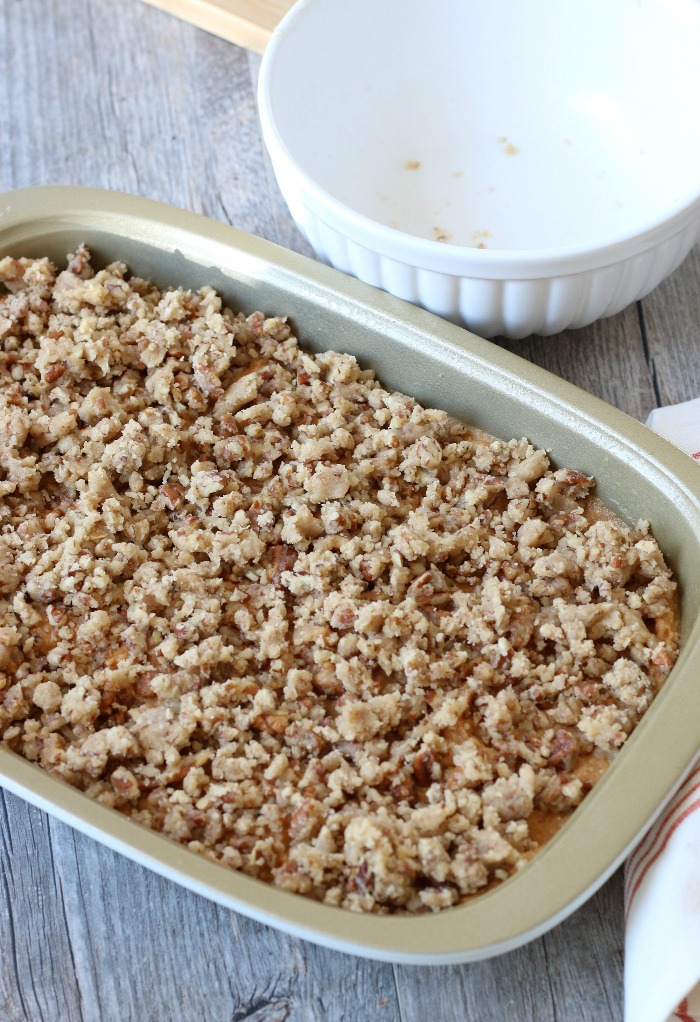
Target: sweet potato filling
(305, 626)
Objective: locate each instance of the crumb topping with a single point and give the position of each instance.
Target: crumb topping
(305, 626)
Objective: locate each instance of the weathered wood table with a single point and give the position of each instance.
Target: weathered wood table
(122, 96)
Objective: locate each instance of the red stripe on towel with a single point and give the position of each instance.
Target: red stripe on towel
(663, 831)
(688, 811)
(656, 835)
(681, 1012)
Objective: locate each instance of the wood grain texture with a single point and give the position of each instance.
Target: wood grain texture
(124, 96)
(671, 318)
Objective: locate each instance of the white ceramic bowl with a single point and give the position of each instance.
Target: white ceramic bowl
(519, 167)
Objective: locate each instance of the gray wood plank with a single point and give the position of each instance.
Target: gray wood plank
(139, 947)
(573, 973)
(587, 972)
(36, 981)
(672, 327)
(173, 119)
(123, 96)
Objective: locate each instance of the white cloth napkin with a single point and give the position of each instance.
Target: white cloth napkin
(680, 424)
(662, 876)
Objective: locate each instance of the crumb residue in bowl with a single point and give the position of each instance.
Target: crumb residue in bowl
(508, 148)
(479, 238)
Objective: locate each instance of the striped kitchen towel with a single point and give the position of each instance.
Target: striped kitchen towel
(662, 905)
(662, 876)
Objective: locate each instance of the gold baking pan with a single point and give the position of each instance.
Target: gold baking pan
(639, 475)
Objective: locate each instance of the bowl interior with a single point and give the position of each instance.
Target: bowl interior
(499, 125)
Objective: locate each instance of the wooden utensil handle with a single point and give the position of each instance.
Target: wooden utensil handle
(248, 23)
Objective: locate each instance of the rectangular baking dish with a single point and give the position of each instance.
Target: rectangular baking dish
(639, 475)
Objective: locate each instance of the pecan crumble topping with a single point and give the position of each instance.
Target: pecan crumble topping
(305, 626)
